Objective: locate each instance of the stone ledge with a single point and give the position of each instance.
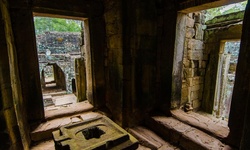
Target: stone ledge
(186, 136)
(71, 110)
(149, 139)
(44, 130)
(202, 122)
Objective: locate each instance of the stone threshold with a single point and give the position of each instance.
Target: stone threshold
(184, 135)
(208, 124)
(70, 110)
(150, 140)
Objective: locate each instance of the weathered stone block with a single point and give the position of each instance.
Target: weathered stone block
(184, 94)
(194, 95)
(190, 32)
(190, 15)
(198, 31)
(194, 81)
(195, 55)
(190, 22)
(197, 87)
(196, 104)
(190, 72)
(197, 17)
(186, 62)
(194, 44)
(184, 84)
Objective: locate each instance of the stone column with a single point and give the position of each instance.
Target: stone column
(80, 74)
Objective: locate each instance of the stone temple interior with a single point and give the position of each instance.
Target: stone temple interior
(147, 75)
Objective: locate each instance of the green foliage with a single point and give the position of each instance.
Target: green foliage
(44, 24)
(213, 12)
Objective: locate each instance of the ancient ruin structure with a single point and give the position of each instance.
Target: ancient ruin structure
(61, 49)
(142, 63)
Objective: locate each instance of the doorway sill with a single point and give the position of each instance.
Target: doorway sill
(68, 111)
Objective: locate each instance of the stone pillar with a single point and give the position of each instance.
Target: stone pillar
(178, 60)
(24, 36)
(18, 114)
(80, 74)
(9, 132)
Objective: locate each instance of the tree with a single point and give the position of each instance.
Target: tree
(44, 24)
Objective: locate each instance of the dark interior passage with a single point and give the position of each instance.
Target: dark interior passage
(136, 69)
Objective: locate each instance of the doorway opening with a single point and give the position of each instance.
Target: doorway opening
(228, 58)
(64, 60)
(200, 46)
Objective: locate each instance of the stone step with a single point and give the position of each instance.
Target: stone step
(149, 139)
(76, 108)
(43, 145)
(49, 145)
(45, 129)
(211, 125)
(183, 135)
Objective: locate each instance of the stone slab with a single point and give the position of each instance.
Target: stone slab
(45, 129)
(96, 133)
(72, 109)
(186, 136)
(202, 122)
(150, 139)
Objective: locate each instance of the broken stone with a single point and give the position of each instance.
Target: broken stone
(195, 55)
(190, 22)
(197, 17)
(194, 44)
(190, 72)
(190, 32)
(190, 15)
(188, 107)
(186, 62)
(198, 31)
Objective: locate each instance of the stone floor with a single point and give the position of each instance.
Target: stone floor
(193, 130)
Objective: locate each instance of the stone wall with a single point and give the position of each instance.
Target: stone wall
(61, 48)
(194, 60)
(9, 131)
(139, 58)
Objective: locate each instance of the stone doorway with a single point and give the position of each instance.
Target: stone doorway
(228, 58)
(199, 49)
(63, 50)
